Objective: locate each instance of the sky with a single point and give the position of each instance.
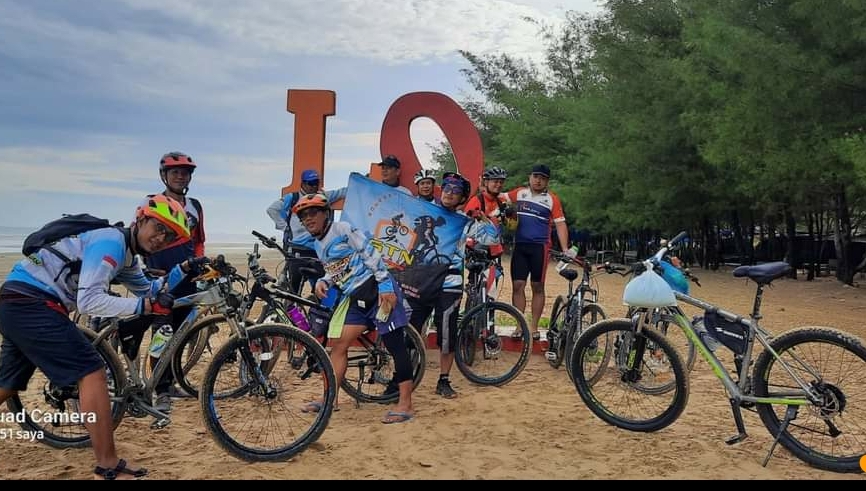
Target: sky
(93, 93)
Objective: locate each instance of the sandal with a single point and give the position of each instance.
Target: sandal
(315, 407)
(393, 417)
(536, 336)
(110, 474)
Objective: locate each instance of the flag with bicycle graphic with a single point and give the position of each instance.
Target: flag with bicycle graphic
(416, 239)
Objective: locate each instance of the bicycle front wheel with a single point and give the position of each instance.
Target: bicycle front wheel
(618, 397)
(265, 422)
(591, 314)
(493, 344)
(829, 434)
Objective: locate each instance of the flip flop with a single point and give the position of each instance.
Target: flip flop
(110, 474)
(402, 417)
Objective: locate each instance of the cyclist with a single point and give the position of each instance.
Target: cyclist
(369, 297)
(175, 172)
(445, 306)
(491, 202)
(390, 167)
(296, 240)
(538, 212)
(40, 291)
(425, 180)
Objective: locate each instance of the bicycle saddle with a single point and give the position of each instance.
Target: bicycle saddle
(763, 274)
(568, 274)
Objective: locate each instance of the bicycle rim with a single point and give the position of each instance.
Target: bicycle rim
(498, 357)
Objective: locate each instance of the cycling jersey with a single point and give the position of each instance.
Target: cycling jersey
(350, 259)
(491, 206)
(295, 233)
(536, 214)
(105, 256)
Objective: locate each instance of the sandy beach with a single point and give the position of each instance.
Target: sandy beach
(533, 428)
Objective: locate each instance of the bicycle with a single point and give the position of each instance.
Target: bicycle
(309, 267)
(370, 365)
(246, 359)
(788, 379)
(477, 328)
(573, 313)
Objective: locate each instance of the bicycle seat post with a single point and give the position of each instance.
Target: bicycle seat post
(756, 309)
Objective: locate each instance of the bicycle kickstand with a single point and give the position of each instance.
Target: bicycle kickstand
(790, 415)
(738, 419)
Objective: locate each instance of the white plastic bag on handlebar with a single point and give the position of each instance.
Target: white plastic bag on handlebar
(648, 289)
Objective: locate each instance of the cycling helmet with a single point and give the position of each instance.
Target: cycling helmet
(425, 174)
(455, 178)
(168, 211)
(495, 173)
(674, 277)
(176, 159)
(315, 200)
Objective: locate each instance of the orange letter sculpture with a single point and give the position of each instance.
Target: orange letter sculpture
(311, 108)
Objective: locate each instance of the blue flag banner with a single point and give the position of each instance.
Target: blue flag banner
(407, 231)
(417, 239)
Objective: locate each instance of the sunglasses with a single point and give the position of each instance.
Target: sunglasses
(314, 184)
(167, 234)
(304, 214)
(452, 189)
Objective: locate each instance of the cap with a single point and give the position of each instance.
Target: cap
(390, 161)
(541, 169)
(309, 175)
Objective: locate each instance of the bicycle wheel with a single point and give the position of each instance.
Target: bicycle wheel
(371, 368)
(486, 354)
(195, 350)
(830, 435)
(58, 410)
(614, 398)
(556, 339)
(591, 314)
(247, 427)
(677, 338)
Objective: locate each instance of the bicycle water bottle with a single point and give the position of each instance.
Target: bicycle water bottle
(299, 319)
(562, 264)
(701, 330)
(160, 340)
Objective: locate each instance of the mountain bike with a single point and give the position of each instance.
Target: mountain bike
(806, 385)
(573, 313)
(245, 361)
(484, 355)
(309, 268)
(370, 366)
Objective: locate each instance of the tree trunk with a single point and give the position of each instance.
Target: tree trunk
(792, 254)
(842, 229)
(813, 247)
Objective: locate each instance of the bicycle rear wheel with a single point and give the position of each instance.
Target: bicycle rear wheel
(370, 368)
(486, 352)
(59, 422)
(830, 435)
(277, 402)
(591, 314)
(616, 397)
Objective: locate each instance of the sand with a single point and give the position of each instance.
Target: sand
(533, 428)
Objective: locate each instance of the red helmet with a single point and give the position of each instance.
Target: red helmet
(315, 200)
(176, 159)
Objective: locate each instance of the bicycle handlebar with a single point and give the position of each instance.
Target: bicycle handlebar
(268, 242)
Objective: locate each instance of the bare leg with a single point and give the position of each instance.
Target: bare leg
(538, 299)
(339, 359)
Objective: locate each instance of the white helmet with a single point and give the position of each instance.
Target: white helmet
(425, 174)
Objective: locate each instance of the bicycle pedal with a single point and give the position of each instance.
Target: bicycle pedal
(550, 355)
(159, 424)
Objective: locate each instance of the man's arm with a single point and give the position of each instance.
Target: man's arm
(562, 235)
(275, 211)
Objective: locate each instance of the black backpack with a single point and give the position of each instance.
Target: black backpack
(66, 226)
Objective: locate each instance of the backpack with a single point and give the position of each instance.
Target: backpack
(66, 226)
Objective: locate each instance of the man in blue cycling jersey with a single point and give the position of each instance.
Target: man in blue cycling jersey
(42, 289)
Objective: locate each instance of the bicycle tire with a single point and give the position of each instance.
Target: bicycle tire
(467, 336)
(591, 394)
(837, 400)
(115, 376)
(191, 345)
(555, 343)
(417, 356)
(215, 422)
(591, 314)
